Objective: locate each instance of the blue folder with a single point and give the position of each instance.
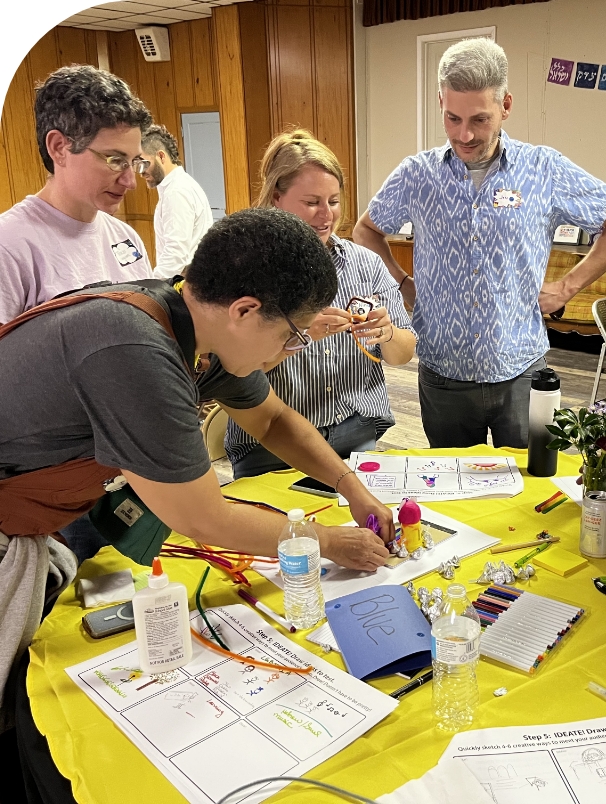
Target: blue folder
(380, 631)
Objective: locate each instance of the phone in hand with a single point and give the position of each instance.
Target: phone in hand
(109, 621)
(359, 307)
(312, 486)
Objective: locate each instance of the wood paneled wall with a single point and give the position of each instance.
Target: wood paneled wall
(21, 169)
(262, 65)
(311, 77)
(186, 83)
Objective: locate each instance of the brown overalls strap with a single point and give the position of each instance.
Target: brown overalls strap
(49, 499)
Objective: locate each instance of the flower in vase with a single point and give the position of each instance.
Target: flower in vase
(586, 431)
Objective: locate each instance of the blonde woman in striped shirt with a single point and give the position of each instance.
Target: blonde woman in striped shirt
(338, 386)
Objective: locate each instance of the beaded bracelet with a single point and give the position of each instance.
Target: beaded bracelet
(406, 276)
(340, 478)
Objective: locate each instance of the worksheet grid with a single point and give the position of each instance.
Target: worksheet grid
(423, 475)
(210, 691)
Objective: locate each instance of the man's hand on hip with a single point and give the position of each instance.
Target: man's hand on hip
(553, 296)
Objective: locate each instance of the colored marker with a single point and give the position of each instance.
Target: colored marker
(266, 610)
(525, 559)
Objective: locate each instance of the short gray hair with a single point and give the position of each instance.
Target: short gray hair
(474, 65)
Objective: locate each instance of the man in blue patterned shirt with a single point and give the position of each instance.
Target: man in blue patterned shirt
(485, 208)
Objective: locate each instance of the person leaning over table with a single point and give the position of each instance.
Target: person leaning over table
(112, 392)
(484, 209)
(337, 387)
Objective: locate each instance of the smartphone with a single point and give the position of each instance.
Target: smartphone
(360, 307)
(312, 486)
(109, 621)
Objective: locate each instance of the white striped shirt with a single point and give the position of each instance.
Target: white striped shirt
(333, 379)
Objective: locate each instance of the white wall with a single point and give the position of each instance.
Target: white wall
(568, 119)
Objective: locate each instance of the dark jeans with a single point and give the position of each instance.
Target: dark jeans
(28, 774)
(459, 414)
(355, 434)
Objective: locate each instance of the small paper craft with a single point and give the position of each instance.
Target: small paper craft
(560, 561)
(438, 533)
(380, 632)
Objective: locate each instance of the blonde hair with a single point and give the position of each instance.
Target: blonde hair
(286, 155)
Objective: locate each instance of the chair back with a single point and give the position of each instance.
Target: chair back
(214, 428)
(598, 308)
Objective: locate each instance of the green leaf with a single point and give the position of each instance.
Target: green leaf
(556, 431)
(559, 444)
(568, 414)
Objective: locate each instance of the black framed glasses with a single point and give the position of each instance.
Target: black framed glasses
(298, 340)
(119, 164)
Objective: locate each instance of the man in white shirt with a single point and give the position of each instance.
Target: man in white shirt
(183, 214)
(88, 126)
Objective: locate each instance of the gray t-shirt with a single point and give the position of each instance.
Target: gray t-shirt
(102, 379)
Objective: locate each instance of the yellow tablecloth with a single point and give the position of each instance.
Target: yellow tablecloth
(105, 767)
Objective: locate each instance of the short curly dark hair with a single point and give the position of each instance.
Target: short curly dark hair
(266, 253)
(79, 101)
(158, 138)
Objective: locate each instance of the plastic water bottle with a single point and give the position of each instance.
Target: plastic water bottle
(455, 651)
(299, 554)
(544, 400)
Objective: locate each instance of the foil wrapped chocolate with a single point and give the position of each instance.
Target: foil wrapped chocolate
(501, 573)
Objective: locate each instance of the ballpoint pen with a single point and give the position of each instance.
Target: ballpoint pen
(525, 559)
(412, 685)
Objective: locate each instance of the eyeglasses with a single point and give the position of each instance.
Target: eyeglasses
(298, 340)
(119, 164)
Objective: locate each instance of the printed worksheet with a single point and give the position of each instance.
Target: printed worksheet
(434, 478)
(556, 764)
(276, 722)
(337, 581)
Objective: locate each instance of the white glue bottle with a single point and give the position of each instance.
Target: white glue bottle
(161, 616)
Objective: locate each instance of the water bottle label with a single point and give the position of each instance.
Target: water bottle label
(455, 650)
(294, 565)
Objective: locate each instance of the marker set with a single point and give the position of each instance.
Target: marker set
(521, 628)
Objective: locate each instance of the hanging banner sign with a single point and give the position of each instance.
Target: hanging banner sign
(587, 75)
(560, 71)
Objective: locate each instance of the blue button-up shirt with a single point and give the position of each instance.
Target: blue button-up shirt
(479, 267)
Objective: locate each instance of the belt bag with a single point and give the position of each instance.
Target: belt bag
(123, 519)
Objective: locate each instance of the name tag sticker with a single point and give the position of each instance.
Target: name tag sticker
(507, 198)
